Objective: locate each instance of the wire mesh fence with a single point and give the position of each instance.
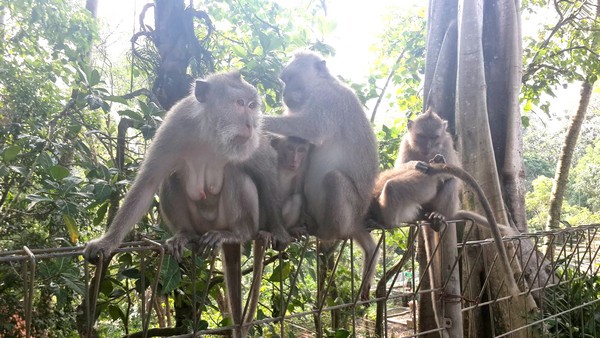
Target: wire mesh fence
(311, 289)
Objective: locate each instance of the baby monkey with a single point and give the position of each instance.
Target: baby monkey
(292, 161)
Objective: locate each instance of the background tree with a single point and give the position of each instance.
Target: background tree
(566, 52)
(472, 77)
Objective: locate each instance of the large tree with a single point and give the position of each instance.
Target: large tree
(472, 78)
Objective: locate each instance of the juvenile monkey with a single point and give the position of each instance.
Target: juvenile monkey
(292, 161)
(427, 137)
(207, 194)
(343, 161)
(399, 194)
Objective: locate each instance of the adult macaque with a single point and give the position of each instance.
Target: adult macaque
(427, 137)
(292, 161)
(343, 162)
(207, 195)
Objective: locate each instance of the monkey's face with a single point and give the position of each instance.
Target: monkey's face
(427, 139)
(292, 154)
(239, 127)
(235, 107)
(293, 89)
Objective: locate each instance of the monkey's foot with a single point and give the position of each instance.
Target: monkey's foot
(212, 239)
(280, 240)
(436, 219)
(176, 244)
(298, 232)
(263, 237)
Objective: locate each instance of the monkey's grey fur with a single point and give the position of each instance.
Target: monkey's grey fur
(427, 137)
(343, 162)
(213, 168)
(292, 162)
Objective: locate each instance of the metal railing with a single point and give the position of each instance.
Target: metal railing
(311, 289)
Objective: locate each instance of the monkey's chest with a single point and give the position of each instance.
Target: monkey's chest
(203, 177)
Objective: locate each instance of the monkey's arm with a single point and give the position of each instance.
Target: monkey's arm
(302, 126)
(155, 168)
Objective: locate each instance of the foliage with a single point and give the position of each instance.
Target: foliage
(567, 299)
(587, 176)
(563, 50)
(394, 85)
(257, 37)
(536, 203)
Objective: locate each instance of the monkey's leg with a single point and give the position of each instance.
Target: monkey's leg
(338, 217)
(431, 242)
(340, 220)
(371, 255)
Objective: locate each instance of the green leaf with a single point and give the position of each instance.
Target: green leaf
(45, 161)
(19, 169)
(12, 152)
(100, 214)
(116, 313)
(35, 199)
(280, 271)
(170, 275)
(3, 170)
(117, 99)
(132, 273)
(131, 114)
(59, 172)
(342, 333)
(94, 78)
(102, 191)
(71, 227)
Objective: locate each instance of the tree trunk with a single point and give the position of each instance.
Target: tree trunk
(564, 161)
(503, 66)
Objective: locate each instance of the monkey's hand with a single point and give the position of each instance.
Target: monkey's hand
(436, 219)
(439, 158)
(97, 248)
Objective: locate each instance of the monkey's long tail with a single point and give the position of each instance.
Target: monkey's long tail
(443, 168)
(260, 247)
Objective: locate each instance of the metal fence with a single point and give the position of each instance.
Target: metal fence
(311, 289)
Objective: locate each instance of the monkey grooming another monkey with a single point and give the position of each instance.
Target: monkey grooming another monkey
(207, 195)
(427, 137)
(343, 162)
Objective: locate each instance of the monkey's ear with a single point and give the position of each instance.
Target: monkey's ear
(321, 67)
(201, 90)
(409, 124)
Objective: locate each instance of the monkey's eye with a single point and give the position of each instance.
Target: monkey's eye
(252, 105)
(240, 103)
(302, 150)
